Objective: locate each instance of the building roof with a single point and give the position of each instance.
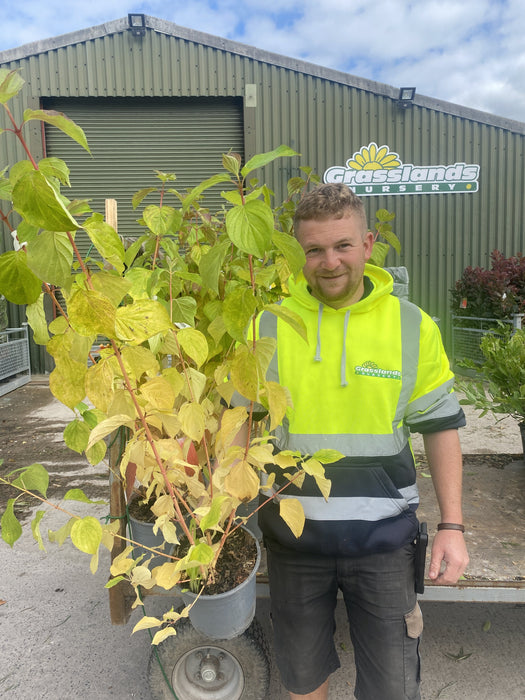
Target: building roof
(171, 29)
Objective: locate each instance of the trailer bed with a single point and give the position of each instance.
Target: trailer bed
(494, 516)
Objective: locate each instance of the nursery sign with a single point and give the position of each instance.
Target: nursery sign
(377, 170)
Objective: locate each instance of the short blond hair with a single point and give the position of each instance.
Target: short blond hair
(330, 201)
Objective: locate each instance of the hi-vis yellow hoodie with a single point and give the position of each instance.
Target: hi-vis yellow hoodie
(370, 374)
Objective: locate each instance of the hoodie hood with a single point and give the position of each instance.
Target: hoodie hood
(378, 284)
(381, 281)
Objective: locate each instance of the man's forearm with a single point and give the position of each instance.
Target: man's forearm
(449, 554)
(444, 459)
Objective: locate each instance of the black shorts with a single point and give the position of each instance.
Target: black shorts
(385, 620)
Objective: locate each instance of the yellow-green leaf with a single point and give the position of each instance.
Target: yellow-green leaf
(107, 426)
(60, 121)
(293, 319)
(36, 318)
(194, 344)
(231, 422)
(201, 553)
(106, 240)
(99, 384)
(55, 167)
(141, 576)
(60, 536)
(17, 282)
(175, 378)
(122, 563)
(96, 452)
(192, 420)
(197, 382)
(196, 192)
(76, 435)
(50, 257)
(328, 456)
(210, 520)
(291, 511)
(262, 159)
(139, 360)
(264, 352)
(66, 381)
(146, 623)
(142, 320)
(244, 373)
(277, 403)
(324, 485)
(34, 478)
(11, 528)
(210, 265)
(86, 534)
(242, 482)
(291, 249)
(110, 284)
(167, 575)
(163, 634)
(92, 313)
(162, 220)
(38, 203)
(237, 311)
(10, 84)
(184, 310)
(260, 455)
(250, 227)
(79, 495)
(158, 393)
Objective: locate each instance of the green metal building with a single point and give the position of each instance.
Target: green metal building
(163, 97)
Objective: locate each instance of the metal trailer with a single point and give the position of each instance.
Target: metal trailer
(239, 669)
(494, 516)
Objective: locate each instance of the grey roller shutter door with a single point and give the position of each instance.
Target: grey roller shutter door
(131, 138)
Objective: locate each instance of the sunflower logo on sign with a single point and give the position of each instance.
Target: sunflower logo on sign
(372, 157)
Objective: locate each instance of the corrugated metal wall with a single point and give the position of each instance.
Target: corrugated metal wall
(130, 139)
(326, 120)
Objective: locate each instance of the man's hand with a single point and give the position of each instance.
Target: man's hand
(449, 557)
(448, 549)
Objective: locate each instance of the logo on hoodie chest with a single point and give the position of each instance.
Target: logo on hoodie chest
(370, 369)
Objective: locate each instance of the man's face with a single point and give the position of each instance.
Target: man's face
(336, 252)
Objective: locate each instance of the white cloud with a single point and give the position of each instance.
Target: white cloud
(466, 51)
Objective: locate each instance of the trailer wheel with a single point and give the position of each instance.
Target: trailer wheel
(200, 668)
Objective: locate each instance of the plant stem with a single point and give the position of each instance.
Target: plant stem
(174, 493)
(192, 394)
(17, 130)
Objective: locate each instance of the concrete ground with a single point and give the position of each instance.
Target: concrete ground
(57, 640)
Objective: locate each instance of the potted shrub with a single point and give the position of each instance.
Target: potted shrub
(149, 345)
(172, 311)
(503, 372)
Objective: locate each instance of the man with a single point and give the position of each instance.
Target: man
(374, 370)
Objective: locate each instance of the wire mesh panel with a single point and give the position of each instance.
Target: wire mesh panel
(467, 332)
(15, 366)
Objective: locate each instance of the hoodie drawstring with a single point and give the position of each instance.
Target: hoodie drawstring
(317, 357)
(343, 356)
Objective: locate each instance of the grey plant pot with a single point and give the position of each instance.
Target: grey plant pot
(142, 532)
(225, 615)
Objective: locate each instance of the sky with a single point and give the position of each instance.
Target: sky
(469, 52)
